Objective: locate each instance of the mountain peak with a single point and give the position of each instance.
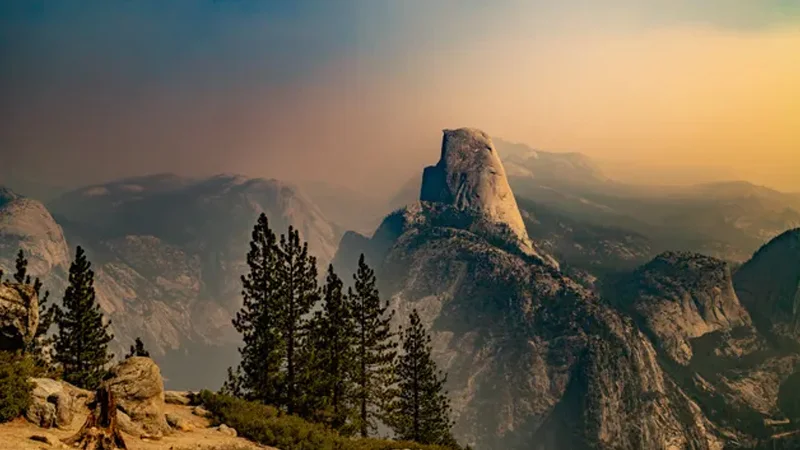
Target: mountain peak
(470, 175)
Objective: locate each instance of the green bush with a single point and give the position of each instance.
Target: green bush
(15, 389)
(266, 425)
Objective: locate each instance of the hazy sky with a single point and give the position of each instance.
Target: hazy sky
(357, 92)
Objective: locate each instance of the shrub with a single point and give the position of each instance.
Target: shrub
(266, 425)
(15, 389)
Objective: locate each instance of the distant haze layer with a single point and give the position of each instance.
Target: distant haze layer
(357, 93)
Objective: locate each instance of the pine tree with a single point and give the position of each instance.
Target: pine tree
(375, 349)
(81, 343)
(421, 411)
(298, 292)
(259, 376)
(21, 265)
(46, 312)
(137, 349)
(329, 353)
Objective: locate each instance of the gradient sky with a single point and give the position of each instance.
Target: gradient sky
(357, 92)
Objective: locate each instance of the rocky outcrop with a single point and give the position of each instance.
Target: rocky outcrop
(56, 403)
(470, 177)
(769, 286)
(26, 224)
(139, 392)
(678, 297)
(534, 359)
(19, 315)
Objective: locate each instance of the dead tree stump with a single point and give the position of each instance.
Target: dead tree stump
(100, 431)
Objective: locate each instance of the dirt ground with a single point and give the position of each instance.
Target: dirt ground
(16, 435)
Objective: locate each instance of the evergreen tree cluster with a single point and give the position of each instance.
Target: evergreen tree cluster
(137, 349)
(328, 354)
(79, 350)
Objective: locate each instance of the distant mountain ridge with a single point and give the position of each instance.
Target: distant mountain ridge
(168, 252)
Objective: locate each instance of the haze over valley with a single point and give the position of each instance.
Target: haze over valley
(592, 210)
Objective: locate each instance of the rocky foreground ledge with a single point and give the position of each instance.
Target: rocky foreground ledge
(149, 417)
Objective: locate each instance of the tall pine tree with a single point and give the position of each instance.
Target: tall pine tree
(298, 292)
(374, 350)
(81, 343)
(259, 376)
(421, 411)
(329, 354)
(46, 312)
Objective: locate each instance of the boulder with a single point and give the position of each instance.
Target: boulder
(201, 412)
(55, 403)
(178, 398)
(139, 392)
(178, 423)
(19, 315)
(128, 426)
(224, 429)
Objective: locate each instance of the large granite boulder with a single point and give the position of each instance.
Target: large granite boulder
(19, 315)
(139, 391)
(56, 403)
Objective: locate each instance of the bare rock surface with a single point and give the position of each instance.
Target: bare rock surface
(470, 177)
(139, 391)
(19, 315)
(56, 403)
(769, 286)
(27, 224)
(535, 360)
(682, 296)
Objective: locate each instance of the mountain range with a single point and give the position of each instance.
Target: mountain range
(569, 310)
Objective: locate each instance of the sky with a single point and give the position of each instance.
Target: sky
(357, 92)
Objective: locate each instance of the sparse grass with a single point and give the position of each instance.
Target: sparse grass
(266, 425)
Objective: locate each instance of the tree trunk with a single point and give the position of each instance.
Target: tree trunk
(100, 431)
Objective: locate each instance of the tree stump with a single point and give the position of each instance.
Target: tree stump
(100, 431)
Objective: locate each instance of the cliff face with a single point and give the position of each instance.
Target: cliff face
(769, 286)
(535, 360)
(26, 224)
(470, 177)
(682, 296)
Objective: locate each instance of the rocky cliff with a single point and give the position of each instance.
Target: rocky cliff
(19, 316)
(678, 297)
(27, 224)
(535, 360)
(769, 285)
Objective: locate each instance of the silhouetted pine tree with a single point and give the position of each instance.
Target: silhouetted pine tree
(46, 313)
(259, 376)
(421, 411)
(137, 349)
(21, 266)
(82, 341)
(328, 351)
(374, 350)
(298, 292)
